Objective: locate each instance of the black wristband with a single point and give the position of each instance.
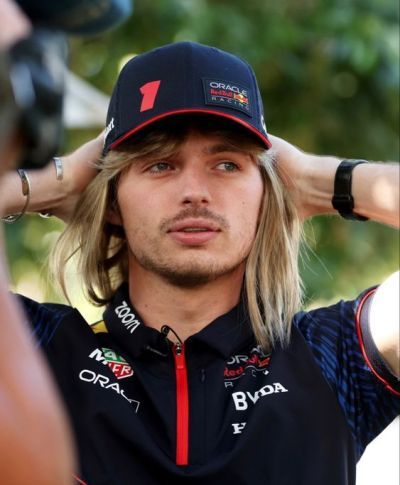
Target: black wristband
(342, 199)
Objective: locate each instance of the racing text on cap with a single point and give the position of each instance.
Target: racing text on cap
(227, 94)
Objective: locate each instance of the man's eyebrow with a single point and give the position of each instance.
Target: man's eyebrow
(222, 147)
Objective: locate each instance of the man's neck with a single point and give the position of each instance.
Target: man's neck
(186, 310)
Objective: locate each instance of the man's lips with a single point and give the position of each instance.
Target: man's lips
(193, 232)
(191, 225)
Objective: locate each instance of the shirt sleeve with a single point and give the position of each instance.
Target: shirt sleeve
(368, 404)
(43, 318)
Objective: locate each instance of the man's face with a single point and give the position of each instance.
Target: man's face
(193, 217)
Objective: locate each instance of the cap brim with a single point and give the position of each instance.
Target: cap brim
(262, 137)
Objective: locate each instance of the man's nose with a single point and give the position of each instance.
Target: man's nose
(195, 187)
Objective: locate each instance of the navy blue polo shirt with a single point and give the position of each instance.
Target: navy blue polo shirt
(147, 409)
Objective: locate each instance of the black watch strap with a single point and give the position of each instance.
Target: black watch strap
(342, 199)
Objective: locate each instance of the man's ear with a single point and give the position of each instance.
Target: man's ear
(113, 216)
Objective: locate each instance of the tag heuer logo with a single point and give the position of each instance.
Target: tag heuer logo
(117, 364)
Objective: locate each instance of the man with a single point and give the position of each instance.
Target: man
(201, 371)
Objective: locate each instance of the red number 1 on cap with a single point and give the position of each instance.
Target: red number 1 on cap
(149, 92)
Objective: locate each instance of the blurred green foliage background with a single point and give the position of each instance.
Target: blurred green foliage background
(329, 74)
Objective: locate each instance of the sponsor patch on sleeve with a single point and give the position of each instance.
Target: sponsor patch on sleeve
(228, 95)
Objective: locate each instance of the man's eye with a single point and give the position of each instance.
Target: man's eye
(160, 167)
(228, 166)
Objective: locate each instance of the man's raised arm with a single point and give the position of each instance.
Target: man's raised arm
(375, 190)
(311, 178)
(47, 192)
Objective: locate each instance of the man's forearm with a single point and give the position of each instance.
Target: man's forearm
(375, 189)
(46, 192)
(376, 192)
(310, 179)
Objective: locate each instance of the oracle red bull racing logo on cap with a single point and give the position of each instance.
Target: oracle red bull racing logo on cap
(227, 94)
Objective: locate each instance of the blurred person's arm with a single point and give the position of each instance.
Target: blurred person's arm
(375, 189)
(35, 440)
(385, 308)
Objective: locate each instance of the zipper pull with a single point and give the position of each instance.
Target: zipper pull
(179, 355)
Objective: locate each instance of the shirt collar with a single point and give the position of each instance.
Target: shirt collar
(225, 334)
(228, 332)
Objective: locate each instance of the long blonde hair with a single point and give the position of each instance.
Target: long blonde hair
(272, 285)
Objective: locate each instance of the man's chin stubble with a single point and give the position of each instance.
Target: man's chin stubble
(189, 277)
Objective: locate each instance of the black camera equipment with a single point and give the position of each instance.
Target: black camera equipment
(31, 93)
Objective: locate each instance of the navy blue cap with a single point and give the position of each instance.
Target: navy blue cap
(77, 16)
(183, 78)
